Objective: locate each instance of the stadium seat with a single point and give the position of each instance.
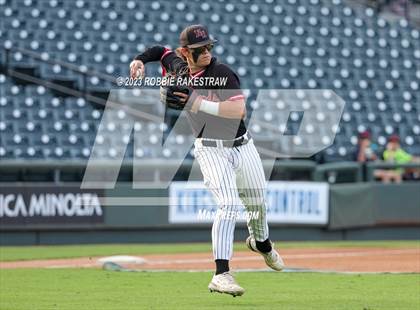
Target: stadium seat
(370, 63)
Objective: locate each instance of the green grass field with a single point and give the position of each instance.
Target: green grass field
(96, 289)
(80, 289)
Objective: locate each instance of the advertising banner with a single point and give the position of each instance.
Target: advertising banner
(287, 203)
(50, 204)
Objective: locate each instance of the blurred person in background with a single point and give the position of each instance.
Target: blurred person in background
(398, 7)
(365, 148)
(395, 154)
(365, 152)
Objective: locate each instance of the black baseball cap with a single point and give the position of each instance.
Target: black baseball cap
(195, 36)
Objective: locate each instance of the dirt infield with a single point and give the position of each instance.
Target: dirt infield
(325, 259)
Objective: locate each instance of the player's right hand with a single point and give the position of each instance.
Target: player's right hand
(137, 69)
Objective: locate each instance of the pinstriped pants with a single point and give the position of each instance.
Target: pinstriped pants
(235, 176)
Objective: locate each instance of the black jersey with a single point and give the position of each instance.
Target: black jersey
(203, 124)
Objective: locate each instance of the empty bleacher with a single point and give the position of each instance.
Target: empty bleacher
(309, 44)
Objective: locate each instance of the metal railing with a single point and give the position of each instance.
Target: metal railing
(372, 166)
(329, 172)
(156, 167)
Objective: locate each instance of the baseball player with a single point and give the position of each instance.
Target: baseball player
(230, 164)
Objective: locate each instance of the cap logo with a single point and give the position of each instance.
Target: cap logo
(200, 33)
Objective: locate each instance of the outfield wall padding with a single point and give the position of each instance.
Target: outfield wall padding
(369, 204)
(357, 211)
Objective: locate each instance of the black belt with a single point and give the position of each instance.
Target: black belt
(229, 143)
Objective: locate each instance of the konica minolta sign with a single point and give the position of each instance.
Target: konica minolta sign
(27, 205)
